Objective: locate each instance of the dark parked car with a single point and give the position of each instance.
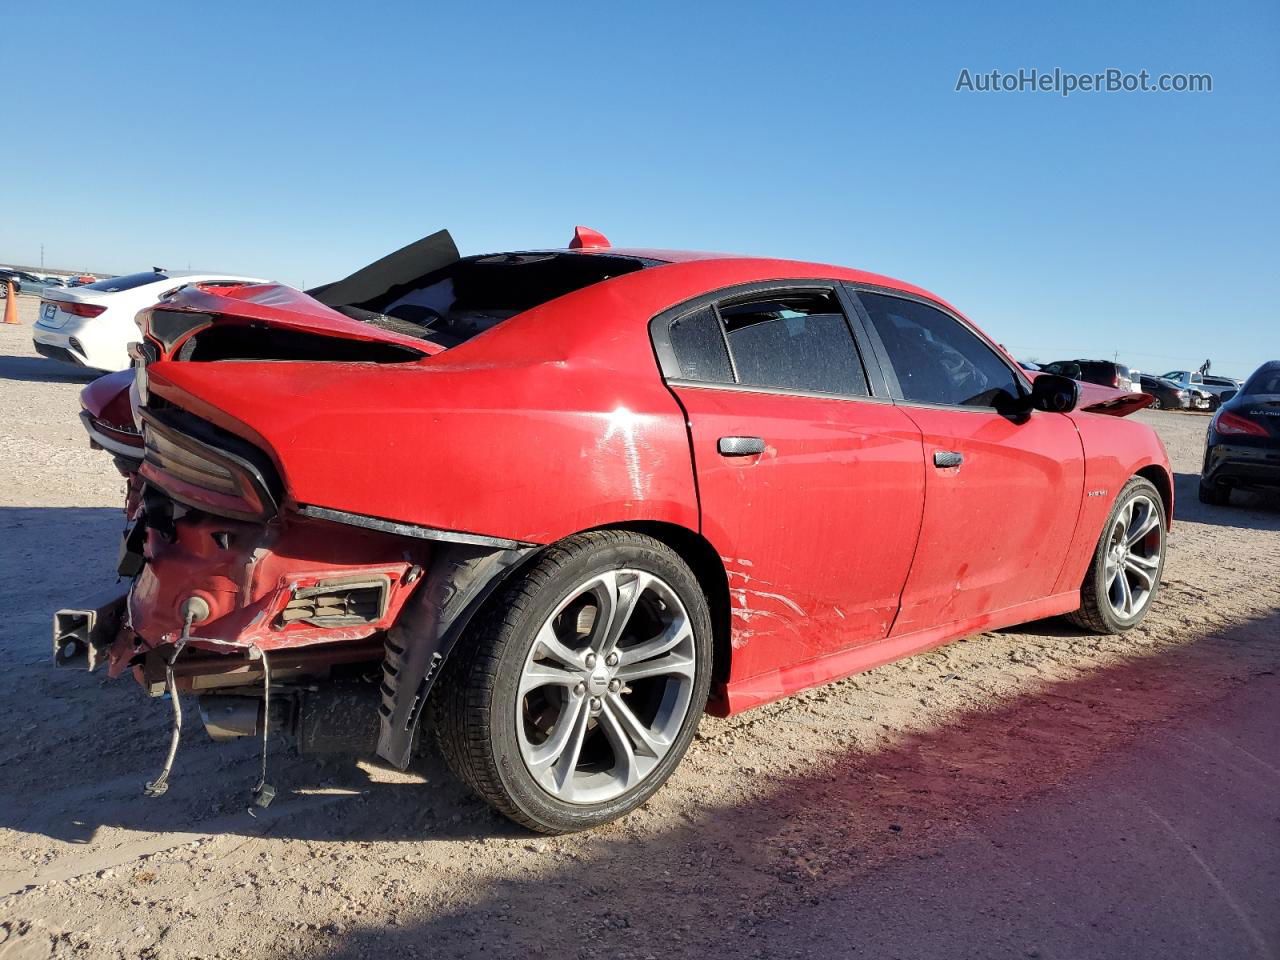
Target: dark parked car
(24, 281)
(1243, 448)
(1168, 396)
(1094, 371)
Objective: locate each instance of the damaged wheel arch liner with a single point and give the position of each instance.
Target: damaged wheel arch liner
(461, 578)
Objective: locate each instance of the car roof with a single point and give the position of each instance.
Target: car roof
(745, 268)
(185, 274)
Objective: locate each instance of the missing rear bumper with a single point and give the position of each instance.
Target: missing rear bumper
(82, 635)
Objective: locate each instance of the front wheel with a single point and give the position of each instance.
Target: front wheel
(1125, 573)
(577, 692)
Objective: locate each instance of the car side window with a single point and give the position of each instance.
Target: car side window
(793, 341)
(936, 358)
(698, 343)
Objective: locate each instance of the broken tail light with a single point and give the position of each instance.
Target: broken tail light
(202, 475)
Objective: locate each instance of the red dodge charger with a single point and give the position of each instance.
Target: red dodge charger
(552, 505)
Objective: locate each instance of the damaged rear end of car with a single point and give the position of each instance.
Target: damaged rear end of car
(278, 616)
(272, 569)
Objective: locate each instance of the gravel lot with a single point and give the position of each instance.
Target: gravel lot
(1027, 793)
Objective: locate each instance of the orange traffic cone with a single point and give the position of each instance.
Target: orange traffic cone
(10, 303)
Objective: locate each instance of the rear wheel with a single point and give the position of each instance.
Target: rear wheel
(1214, 494)
(1125, 573)
(577, 692)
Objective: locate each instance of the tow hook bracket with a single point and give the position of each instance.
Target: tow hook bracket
(84, 634)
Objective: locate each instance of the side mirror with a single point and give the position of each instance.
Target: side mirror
(1054, 394)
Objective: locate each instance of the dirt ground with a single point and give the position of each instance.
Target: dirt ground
(1028, 793)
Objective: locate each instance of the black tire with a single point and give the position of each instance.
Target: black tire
(475, 702)
(1156, 404)
(1214, 494)
(1096, 613)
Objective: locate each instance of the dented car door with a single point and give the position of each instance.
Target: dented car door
(1003, 482)
(811, 488)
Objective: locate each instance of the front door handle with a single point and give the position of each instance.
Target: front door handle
(947, 458)
(740, 446)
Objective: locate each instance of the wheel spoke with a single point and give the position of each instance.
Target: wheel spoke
(1143, 526)
(673, 636)
(553, 647)
(571, 724)
(567, 764)
(1122, 521)
(673, 664)
(1115, 592)
(642, 740)
(624, 752)
(618, 597)
(1126, 593)
(545, 675)
(1142, 567)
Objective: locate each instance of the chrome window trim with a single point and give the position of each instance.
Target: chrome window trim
(775, 391)
(414, 530)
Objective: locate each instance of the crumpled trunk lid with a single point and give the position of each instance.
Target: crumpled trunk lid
(262, 307)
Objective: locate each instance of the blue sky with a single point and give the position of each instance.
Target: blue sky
(298, 141)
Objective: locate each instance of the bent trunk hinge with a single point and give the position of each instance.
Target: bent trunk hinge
(460, 579)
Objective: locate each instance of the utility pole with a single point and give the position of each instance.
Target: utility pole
(42, 256)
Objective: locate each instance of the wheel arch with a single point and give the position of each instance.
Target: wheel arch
(1161, 480)
(463, 579)
(702, 558)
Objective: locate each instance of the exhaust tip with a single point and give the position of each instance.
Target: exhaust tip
(228, 717)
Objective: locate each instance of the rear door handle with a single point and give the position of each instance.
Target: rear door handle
(740, 446)
(947, 458)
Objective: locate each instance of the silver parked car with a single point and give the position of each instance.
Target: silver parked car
(1207, 383)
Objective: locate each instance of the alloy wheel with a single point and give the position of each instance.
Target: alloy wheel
(606, 686)
(1133, 557)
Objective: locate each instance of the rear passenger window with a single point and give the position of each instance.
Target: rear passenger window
(699, 347)
(797, 341)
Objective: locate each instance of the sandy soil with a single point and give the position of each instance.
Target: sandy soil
(1027, 793)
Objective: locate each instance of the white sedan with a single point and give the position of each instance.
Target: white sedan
(93, 325)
